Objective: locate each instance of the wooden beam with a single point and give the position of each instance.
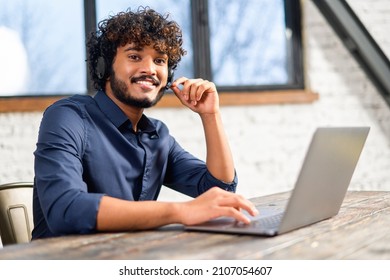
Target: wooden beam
(39, 104)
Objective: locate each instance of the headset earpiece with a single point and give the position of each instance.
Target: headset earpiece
(101, 68)
(170, 78)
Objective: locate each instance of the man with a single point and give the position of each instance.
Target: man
(100, 162)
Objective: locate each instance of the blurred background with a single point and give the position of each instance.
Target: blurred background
(246, 47)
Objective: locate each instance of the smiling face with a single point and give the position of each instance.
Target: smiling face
(139, 76)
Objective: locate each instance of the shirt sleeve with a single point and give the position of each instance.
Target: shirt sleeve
(189, 175)
(63, 197)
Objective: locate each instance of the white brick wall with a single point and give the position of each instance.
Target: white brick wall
(375, 16)
(268, 142)
(18, 133)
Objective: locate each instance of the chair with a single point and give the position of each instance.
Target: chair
(16, 219)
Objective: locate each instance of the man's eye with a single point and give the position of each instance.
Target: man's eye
(133, 57)
(161, 61)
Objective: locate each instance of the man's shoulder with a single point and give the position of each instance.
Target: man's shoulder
(77, 99)
(69, 108)
(77, 102)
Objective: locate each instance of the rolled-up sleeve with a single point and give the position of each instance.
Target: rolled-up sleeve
(66, 205)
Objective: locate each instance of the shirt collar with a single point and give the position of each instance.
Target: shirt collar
(116, 115)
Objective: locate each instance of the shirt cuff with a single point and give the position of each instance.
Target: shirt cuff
(228, 186)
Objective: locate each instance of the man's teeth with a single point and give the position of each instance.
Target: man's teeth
(145, 83)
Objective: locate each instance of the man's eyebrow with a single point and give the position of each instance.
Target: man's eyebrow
(132, 48)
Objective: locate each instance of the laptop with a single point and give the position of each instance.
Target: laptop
(319, 191)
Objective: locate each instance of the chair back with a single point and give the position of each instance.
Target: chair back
(16, 219)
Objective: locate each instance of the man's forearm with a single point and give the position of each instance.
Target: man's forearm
(219, 158)
(121, 215)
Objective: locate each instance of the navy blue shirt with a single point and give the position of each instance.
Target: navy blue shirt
(87, 148)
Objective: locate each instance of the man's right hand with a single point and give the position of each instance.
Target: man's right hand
(213, 204)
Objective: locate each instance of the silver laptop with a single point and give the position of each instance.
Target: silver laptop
(319, 190)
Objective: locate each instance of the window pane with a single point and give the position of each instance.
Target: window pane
(179, 11)
(42, 50)
(248, 42)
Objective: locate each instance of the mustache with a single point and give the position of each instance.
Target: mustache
(145, 78)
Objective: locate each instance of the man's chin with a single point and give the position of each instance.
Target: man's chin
(157, 97)
(144, 102)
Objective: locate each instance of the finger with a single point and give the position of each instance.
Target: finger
(239, 202)
(235, 214)
(179, 81)
(178, 93)
(193, 92)
(190, 88)
(225, 198)
(182, 93)
(201, 89)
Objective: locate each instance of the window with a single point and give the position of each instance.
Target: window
(244, 46)
(245, 50)
(42, 51)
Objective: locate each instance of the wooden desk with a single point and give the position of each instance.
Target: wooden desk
(360, 231)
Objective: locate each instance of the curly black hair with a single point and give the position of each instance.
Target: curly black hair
(145, 27)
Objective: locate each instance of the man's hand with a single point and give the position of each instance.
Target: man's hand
(213, 204)
(199, 95)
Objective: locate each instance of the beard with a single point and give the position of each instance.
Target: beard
(121, 92)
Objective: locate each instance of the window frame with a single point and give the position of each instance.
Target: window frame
(292, 92)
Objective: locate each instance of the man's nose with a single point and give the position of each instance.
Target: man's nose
(148, 67)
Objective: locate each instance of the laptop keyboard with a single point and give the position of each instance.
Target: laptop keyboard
(269, 222)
